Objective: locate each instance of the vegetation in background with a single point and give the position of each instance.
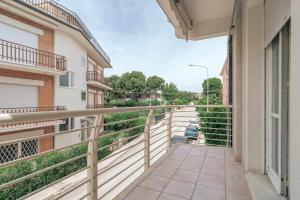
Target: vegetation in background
(213, 123)
(131, 86)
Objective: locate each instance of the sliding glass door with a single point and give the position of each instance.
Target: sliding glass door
(277, 65)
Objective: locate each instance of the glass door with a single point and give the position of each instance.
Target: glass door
(277, 64)
(273, 111)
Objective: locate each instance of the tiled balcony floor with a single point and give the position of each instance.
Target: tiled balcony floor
(193, 172)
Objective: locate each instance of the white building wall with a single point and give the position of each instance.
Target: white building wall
(253, 89)
(14, 34)
(294, 125)
(76, 57)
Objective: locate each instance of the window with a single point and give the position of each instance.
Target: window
(67, 80)
(64, 80)
(83, 95)
(68, 125)
(18, 150)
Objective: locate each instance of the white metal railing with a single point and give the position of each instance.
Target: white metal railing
(108, 161)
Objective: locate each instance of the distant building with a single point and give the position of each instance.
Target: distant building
(152, 96)
(224, 74)
(49, 61)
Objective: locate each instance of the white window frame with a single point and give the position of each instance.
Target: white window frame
(71, 121)
(71, 80)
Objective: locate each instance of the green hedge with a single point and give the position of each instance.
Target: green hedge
(125, 116)
(212, 119)
(26, 167)
(217, 116)
(131, 103)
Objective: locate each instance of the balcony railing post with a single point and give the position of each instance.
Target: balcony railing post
(147, 141)
(92, 159)
(170, 128)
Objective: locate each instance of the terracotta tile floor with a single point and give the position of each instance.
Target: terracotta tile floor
(194, 172)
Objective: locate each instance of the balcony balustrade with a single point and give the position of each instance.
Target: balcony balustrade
(93, 76)
(30, 124)
(20, 54)
(67, 16)
(116, 163)
(95, 106)
(32, 109)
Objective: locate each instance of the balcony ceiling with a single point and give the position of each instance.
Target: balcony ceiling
(209, 18)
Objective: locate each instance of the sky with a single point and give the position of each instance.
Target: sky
(137, 36)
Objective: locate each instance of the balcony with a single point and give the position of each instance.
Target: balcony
(93, 78)
(65, 15)
(144, 160)
(30, 124)
(19, 57)
(95, 106)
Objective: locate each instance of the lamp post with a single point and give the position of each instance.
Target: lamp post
(207, 86)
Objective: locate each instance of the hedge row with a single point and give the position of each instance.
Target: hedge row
(215, 118)
(132, 103)
(26, 167)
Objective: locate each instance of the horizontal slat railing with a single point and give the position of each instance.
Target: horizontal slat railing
(114, 153)
(17, 53)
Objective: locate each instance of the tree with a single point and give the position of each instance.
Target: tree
(154, 83)
(215, 87)
(116, 92)
(170, 92)
(133, 83)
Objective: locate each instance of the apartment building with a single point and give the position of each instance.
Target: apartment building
(263, 61)
(49, 61)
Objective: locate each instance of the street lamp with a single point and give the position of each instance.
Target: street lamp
(207, 86)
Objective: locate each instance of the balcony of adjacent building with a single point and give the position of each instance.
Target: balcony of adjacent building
(158, 152)
(18, 57)
(95, 79)
(13, 127)
(94, 106)
(66, 16)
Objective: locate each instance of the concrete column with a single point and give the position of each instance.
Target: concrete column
(237, 84)
(294, 125)
(253, 89)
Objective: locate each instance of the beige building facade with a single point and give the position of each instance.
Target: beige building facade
(263, 48)
(46, 54)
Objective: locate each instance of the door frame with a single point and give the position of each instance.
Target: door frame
(279, 181)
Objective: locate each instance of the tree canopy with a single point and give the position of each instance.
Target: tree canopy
(170, 92)
(215, 86)
(155, 83)
(134, 84)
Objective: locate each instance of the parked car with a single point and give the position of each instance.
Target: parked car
(191, 132)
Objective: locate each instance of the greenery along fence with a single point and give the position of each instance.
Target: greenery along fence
(26, 167)
(134, 123)
(216, 125)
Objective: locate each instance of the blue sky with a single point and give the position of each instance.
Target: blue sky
(137, 36)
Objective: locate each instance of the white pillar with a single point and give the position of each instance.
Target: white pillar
(294, 122)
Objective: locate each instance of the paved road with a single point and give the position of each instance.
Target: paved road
(114, 180)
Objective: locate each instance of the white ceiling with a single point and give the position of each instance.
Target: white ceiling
(204, 10)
